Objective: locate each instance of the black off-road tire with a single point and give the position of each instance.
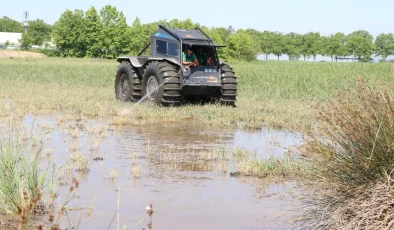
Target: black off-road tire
(228, 91)
(128, 86)
(165, 78)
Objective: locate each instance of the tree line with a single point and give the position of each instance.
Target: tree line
(105, 33)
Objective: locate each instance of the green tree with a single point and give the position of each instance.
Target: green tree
(26, 41)
(310, 45)
(204, 28)
(240, 46)
(139, 39)
(109, 17)
(256, 41)
(292, 44)
(123, 38)
(224, 33)
(39, 31)
(324, 46)
(9, 25)
(70, 34)
(174, 23)
(217, 38)
(362, 33)
(340, 42)
(278, 44)
(266, 43)
(143, 35)
(93, 32)
(187, 24)
(384, 45)
(278, 47)
(232, 50)
(115, 33)
(334, 46)
(360, 44)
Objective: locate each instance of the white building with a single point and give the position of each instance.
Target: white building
(45, 45)
(11, 38)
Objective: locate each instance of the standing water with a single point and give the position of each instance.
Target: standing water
(174, 167)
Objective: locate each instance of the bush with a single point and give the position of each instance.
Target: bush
(47, 52)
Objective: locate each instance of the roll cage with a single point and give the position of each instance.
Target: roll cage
(196, 37)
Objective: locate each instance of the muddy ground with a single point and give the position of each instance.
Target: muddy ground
(20, 54)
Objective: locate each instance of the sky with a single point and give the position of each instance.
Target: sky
(300, 16)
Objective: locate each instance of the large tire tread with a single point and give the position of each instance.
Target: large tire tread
(135, 87)
(170, 78)
(229, 89)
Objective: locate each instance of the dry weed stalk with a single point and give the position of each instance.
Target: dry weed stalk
(370, 208)
(28, 208)
(54, 219)
(150, 212)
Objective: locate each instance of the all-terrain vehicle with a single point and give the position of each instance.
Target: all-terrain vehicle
(162, 77)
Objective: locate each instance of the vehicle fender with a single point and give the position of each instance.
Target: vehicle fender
(139, 62)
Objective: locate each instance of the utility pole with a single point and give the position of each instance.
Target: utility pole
(26, 21)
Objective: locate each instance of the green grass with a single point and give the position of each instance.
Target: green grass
(274, 94)
(249, 164)
(305, 80)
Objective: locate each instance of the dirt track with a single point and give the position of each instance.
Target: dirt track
(20, 54)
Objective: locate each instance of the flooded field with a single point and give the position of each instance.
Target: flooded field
(186, 171)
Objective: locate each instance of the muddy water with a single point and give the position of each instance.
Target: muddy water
(174, 167)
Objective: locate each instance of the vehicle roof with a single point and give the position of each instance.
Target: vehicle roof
(189, 37)
(183, 34)
(188, 34)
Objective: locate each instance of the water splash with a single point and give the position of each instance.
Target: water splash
(144, 97)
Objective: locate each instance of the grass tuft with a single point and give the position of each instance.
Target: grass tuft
(21, 178)
(352, 154)
(248, 164)
(354, 143)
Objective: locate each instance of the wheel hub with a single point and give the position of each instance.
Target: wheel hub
(152, 88)
(124, 85)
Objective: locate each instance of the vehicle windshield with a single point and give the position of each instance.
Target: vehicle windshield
(204, 54)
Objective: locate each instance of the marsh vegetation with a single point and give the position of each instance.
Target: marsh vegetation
(67, 124)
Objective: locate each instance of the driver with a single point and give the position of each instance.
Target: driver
(189, 58)
(201, 57)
